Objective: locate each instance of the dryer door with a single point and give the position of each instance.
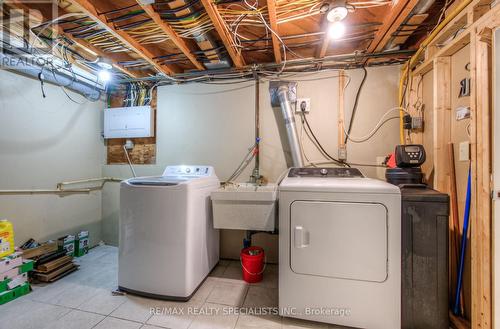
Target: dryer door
(339, 239)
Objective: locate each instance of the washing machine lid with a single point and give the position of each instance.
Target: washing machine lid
(158, 181)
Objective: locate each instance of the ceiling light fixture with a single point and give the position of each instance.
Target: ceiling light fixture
(336, 30)
(104, 63)
(337, 11)
(104, 75)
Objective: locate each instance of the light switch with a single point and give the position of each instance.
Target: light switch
(464, 151)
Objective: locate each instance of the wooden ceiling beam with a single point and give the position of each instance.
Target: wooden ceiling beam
(391, 23)
(271, 9)
(168, 30)
(88, 9)
(221, 29)
(91, 48)
(80, 42)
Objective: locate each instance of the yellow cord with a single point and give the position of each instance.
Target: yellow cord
(406, 70)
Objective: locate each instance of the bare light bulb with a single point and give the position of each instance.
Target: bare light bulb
(104, 76)
(337, 13)
(336, 30)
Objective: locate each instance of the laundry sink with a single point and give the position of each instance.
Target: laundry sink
(245, 206)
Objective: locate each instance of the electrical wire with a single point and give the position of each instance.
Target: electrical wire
(321, 148)
(383, 120)
(129, 161)
(356, 101)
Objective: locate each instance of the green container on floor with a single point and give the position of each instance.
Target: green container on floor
(82, 243)
(3, 285)
(10, 295)
(27, 266)
(67, 243)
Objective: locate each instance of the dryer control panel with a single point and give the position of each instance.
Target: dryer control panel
(325, 172)
(201, 171)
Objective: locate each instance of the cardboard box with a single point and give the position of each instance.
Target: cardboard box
(67, 243)
(15, 276)
(82, 243)
(10, 274)
(7, 263)
(17, 281)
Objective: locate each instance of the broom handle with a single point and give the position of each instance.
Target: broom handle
(456, 308)
(455, 229)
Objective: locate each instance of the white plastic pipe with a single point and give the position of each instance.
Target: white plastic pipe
(61, 191)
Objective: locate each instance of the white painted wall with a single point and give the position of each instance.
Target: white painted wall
(214, 125)
(44, 141)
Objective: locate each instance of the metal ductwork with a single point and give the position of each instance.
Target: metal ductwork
(29, 68)
(283, 94)
(421, 8)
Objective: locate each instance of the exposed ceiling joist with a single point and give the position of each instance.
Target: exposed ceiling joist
(271, 9)
(396, 17)
(88, 9)
(91, 48)
(80, 42)
(221, 29)
(84, 44)
(168, 30)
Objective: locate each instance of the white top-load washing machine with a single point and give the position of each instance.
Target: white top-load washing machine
(168, 243)
(340, 248)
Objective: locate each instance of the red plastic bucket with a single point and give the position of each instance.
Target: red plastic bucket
(252, 264)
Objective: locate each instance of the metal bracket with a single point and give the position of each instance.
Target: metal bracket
(273, 90)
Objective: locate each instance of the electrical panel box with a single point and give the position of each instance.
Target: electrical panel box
(128, 122)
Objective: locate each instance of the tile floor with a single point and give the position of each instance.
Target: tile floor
(83, 300)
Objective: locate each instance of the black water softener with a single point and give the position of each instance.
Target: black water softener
(424, 237)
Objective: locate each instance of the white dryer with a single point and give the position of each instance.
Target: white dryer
(340, 248)
(168, 243)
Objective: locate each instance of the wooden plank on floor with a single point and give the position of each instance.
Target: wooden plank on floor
(46, 277)
(52, 265)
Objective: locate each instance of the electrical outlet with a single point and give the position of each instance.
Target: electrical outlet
(342, 153)
(464, 151)
(303, 105)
